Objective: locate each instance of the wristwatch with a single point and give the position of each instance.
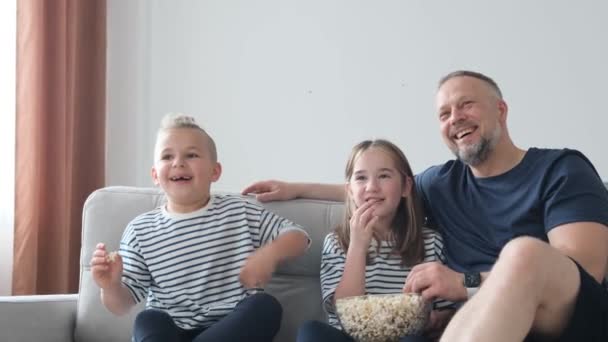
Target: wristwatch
(472, 279)
(471, 283)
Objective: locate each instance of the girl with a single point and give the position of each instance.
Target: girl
(381, 237)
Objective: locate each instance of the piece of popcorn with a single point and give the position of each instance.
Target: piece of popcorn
(111, 257)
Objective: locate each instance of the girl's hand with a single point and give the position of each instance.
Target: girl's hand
(106, 268)
(362, 225)
(258, 269)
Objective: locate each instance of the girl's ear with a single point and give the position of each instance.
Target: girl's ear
(350, 202)
(407, 187)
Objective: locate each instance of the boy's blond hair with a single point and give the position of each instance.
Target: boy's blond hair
(180, 120)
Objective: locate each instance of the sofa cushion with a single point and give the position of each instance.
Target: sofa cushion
(295, 284)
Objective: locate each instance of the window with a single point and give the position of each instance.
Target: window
(8, 39)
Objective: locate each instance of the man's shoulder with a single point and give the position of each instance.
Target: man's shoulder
(449, 169)
(558, 161)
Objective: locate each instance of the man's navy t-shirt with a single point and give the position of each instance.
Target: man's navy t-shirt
(478, 216)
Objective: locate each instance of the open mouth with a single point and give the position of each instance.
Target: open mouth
(180, 178)
(463, 133)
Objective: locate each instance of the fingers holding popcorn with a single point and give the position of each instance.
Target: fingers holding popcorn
(106, 268)
(362, 225)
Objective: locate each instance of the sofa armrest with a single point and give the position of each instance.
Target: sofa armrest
(38, 318)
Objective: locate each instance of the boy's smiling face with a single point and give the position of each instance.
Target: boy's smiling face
(184, 168)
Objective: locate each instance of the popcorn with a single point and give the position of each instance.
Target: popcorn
(111, 257)
(382, 317)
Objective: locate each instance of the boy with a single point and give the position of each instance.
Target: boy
(200, 259)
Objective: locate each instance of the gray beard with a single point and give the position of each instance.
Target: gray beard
(475, 154)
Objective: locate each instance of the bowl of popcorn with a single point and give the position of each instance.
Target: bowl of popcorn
(383, 317)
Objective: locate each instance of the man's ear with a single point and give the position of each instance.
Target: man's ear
(155, 176)
(217, 172)
(504, 109)
(407, 187)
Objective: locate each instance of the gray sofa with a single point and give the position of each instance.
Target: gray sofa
(81, 317)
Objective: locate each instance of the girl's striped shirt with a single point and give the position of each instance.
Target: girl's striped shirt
(383, 275)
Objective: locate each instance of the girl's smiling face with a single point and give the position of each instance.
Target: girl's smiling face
(376, 178)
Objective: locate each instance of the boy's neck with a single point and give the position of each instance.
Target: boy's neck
(185, 208)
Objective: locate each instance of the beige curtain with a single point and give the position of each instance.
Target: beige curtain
(61, 57)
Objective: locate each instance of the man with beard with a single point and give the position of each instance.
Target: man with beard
(531, 226)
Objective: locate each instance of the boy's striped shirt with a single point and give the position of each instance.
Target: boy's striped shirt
(188, 264)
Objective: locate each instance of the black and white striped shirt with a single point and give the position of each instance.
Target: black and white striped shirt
(383, 275)
(188, 264)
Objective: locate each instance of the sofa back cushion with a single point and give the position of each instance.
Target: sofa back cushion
(295, 284)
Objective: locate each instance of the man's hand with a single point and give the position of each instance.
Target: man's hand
(106, 268)
(271, 190)
(258, 269)
(435, 280)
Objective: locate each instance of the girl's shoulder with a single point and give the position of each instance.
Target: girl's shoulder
(428, 233)
(331, 244)
(331, 238)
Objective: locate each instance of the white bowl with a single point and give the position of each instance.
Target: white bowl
(383, 317)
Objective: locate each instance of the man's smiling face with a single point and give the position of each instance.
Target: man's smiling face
(470, 118)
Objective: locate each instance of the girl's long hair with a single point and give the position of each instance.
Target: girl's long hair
(406, 230)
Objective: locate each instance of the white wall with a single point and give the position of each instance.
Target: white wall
(8, 20)
(287, 87)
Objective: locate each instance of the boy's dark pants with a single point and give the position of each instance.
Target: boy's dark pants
(256, 318)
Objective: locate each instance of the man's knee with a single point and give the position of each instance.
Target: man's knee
(526, 254)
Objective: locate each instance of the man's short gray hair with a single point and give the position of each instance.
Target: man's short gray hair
(474, 74)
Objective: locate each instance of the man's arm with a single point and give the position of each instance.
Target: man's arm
(274, 190)
(585, 242)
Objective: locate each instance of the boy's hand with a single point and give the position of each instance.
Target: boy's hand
(106, 268)
(258, 269)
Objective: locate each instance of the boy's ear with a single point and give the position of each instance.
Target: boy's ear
(217, 172)
(407, 187)
(155, 176)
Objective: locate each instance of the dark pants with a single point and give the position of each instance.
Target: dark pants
(589, 321)
(314, 331)
(256, 318)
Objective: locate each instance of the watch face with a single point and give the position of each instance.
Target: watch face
(472, 279)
